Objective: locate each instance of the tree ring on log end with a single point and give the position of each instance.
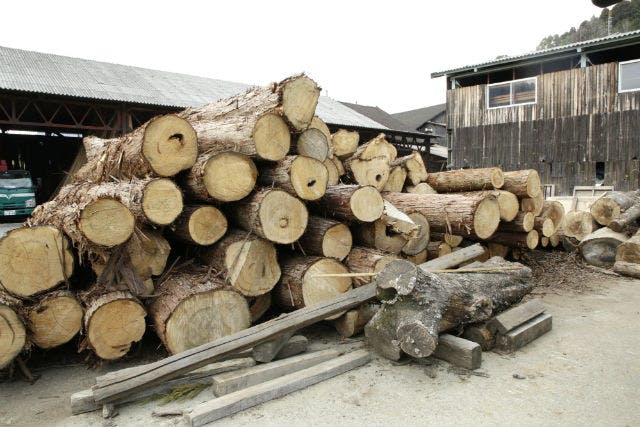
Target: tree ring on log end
(106, 222)
(366, 204)
(271, 137)
(252, 266)
(12, 335)
(299, 101)
(337, 242)
(170, 145)
(319, 289)
(207, 225)
(55, 321)
(486, 218)
(283, 217)
(230, 176)
(532, 239)
(313, 143)
(206, 317)
(533, 184)
(114, 326)
(309, 178)
(162, 201)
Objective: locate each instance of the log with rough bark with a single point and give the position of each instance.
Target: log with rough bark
(352, 322)
(367, 260)
(34, 259)
(326, 237)
(395, 182)
(533, 204)
(345, 143)
(554, 211)
(313, 143)
(579, 224)
(163, 146)
(418, 305)
(53, 319)
(422, 188)
(256, 123)
(304, 177)
(413, 163)
(626, 218)
(466, 180)
(599, 248)
(522, 183)
(517, 240)
(457, 213)
(612, 204)
(193, 308)
(221, 177)
(271, 214)
(199, 225)
(303, 283)
(418, 243)
(13, 334)
(352, 203)
(248, 262)
(369, 165)
(436, 249)
(113, 321)
(509, 205)
(450, 239)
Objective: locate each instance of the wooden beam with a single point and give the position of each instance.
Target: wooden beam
(454, 258)
(523, 334)
(515, 316)
(458, 351)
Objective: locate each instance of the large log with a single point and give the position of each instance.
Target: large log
(611, 205)
(457, 213)
(416, 171)
(522, 183)
(345, 143)
(300, 176)
(579, 224)
(272, 214)
(367, 260)
(466, 180)
(327, 238)
(304, 284)
(369, 165)
(352, 203)
(418, 243)
(626, 218)
(418, 305)
(194, 307)
(34, 259)
(199, 225)
(533, 204)
(599, 247)
(554, 211)
(54, 319)
(13, 334)
(248, 262)
(163, 146)
(395, 182)
(629, 251)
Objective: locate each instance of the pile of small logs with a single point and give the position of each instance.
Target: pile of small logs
(197, 223)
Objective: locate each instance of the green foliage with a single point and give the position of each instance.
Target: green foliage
(625, 16)
(182, 392)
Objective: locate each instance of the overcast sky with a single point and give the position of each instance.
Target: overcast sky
(370, 52)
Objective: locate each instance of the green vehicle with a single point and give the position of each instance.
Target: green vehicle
(17, 193)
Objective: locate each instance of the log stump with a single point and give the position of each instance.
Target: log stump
(327, 238)
(352, 203)
(54, 319)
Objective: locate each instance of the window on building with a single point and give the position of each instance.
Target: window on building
(629, 76)
(599, 173)
(515, 92)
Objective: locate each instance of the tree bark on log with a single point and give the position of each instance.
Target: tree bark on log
(193, 308)
(416, 171)
(327, 238)
(528, 240)
(272, 214)
(458, 213)
(312, 143)
(34, 259)
(522, 183)
(418, 305)
(369, 165)
(626, 218)
(13, 334)
(579, 224)
(345, 143)
(54, 319)
(611, 205)
(201, 225)
(300, 176)
(395, 182)
(466, 180)
(352, 203)
(367, 260)
(599, 247)
(248, 262)
(302, 284)
(163, 146)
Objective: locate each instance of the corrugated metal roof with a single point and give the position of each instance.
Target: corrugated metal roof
(610, 39)
(50, 74)
(416, 118)
(379, 115)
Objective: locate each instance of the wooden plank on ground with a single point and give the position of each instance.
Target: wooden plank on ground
(173, 366)
(233, 381)
(297, 344)
(515, 316)
(266, 351)
(458, 351)
(523, 334)
(240, 400)
(83, 401)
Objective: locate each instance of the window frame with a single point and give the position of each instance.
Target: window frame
(620, 64)
(511, 82)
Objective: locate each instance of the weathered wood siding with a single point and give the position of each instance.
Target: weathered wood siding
(579, 119)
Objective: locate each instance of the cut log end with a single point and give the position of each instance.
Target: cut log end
(313, 143)
(373, 172)
(309, 178)
(533, 239)
(169, 145)
(12, 335)
(55, 320)
(283, 217)
(252, 266)
(299, 100)
(418, 243)
(162, 201)
(509, 205)
(337, 242)
(107, 222)
(604, 210)
(316, 290)
(206, 225)
(271, 137)
(230, 176)
(367, 204)
(486, 218)
(345, 142)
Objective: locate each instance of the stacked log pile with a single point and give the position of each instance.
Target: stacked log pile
(197, 222)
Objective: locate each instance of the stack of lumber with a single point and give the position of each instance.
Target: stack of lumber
(197, 223)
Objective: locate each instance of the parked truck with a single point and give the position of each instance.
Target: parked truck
(17, 193)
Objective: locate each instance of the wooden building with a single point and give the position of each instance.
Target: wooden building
(571, 112)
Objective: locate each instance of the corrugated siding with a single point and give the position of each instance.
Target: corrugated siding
(579, 119)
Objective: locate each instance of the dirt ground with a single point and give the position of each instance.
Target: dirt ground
(586, 371)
